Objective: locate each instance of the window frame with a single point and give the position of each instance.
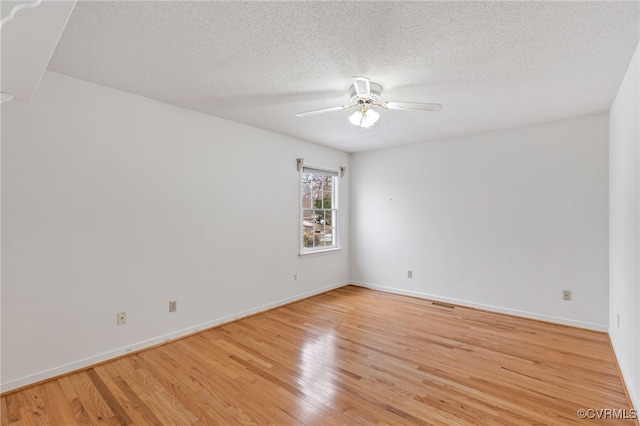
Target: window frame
(335, 208)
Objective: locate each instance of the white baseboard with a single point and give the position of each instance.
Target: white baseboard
(93, 360)
(626, 377)
(515, 312)
(635, 399)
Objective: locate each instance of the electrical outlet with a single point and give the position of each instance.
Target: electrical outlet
(295, 277)
(173, 306)
(566, 295)
(122, 318)
(618, 320)
(409, 274)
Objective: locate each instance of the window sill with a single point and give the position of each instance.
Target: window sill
(319, 252)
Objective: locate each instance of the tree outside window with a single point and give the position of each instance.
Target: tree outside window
(319, 209)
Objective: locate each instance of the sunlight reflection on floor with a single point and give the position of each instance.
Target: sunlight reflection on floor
(317, 360)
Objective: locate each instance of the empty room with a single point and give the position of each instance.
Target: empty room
(320, 212)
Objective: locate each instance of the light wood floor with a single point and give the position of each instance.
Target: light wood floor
(350, 356)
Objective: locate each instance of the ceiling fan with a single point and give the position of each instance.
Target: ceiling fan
(365, 94)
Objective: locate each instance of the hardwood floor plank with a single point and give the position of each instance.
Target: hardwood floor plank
(34, 403)
(28, 418)
(73, 400)
(58, 410)
(119, 412)
(137, 407)
(348, 356)
(10, 410)
(91, 403)
(183, 391)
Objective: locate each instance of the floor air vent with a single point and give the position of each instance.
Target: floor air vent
(442, 305)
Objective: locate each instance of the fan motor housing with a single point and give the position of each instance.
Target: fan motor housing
(374, 88)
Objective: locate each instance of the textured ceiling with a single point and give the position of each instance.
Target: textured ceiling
(490, 64)
(27, 43)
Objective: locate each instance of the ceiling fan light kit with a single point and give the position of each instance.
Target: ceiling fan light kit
(365, 94)
(364, 117)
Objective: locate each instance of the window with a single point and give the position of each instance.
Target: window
(319, 209)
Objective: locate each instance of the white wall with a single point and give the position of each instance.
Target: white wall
(503, 220)
(624, 225)
(113, 202)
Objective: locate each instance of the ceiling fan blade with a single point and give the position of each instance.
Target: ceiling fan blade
(323, 110)
(362, 86)
(412, 105)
